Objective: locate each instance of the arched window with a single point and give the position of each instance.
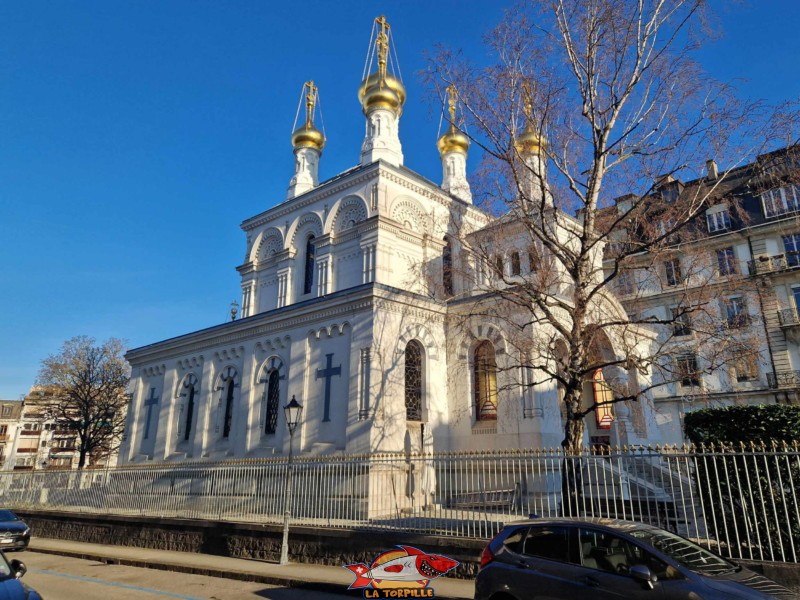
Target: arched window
(515, 268)
(189, 412)
(273, 394)
(485, 376)
(413, 381)
(227, 385)
(309, 274)
(447, 268)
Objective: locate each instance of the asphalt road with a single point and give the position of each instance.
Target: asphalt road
(63, 578)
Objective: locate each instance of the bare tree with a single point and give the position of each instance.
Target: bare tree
(605, 96)
(87, 384)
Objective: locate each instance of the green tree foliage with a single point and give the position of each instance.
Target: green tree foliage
(748, 472)
(86, 385)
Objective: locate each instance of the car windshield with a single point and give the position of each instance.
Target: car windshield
(7, 515)
(686, 553)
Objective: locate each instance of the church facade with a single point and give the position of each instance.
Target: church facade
(348, 300)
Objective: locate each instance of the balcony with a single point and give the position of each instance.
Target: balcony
(783, 379)
(773, 264)
(27, 450)
(30, 433)
(788, 317)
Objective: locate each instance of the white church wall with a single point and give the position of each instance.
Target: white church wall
(327, 389)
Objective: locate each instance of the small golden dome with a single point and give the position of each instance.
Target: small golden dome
(453, 141)
(389, 94)
(529, 141)
(308, 136)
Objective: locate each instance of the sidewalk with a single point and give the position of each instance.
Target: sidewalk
(297, 575)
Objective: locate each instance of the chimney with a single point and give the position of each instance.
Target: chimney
(712, 172)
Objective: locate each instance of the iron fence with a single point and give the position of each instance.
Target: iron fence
(742, 502)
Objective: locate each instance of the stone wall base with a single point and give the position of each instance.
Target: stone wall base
(246, 540)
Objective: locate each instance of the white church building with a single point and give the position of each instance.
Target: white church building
(347, 299)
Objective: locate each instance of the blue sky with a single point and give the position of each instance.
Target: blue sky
(136, 136)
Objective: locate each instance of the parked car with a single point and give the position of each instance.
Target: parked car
(11, 588)
(602, 559)
(14, 533)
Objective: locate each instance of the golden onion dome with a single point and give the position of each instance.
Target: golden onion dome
(453, 141)
(387, 93)
(529, 141)
(308, 136)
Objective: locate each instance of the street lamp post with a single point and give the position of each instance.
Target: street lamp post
(293, 413)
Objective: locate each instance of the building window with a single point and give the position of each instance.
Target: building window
(413, 382)
(726, 262)
(625, 283)
(681, 323)
(189, 413)
(791, 247)
(718, 221)
(781, 201)
(515, 265)
(498, 265)
(736, 314)
(666, 228)
(746, 367)
(485, 375)
(6, 411)
(228, 381)
(686, 370)
(672, 269)
(308, 282)
(447, 268)
(273, 396)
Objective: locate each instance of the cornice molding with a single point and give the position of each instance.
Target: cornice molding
(319, 193)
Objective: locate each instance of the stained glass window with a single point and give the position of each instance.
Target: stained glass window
(189, 413)
(447, 268)
(485, 371)
(413, 381)
(273, 393)
(309, 274)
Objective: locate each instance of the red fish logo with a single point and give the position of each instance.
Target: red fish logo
(405, 568)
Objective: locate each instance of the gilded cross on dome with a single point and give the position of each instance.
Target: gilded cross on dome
(382, 44)
(311, 100)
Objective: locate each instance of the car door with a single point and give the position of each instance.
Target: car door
(546, 566)
(605, 561)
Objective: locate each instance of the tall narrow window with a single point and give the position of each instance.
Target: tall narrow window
(726, 261)
(498, 265)
(447, 268)
(413, 381)
(515, 266)
(485, 375)
(273, 394)
(189, 412)
(226, 427)
(308, 282)
(672, 269)
(681, 322)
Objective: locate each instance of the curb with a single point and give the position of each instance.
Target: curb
(317, 586)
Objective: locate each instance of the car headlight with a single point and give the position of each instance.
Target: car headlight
(27, 531)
